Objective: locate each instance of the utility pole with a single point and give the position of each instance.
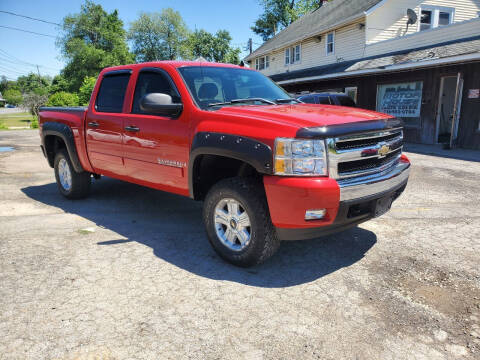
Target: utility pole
(39, 81)
(250, 45)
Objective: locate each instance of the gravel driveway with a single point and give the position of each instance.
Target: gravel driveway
(129, 274)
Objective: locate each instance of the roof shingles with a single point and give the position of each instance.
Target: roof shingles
(327, 17)
(438, 51)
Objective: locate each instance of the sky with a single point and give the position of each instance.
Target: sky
(20, 52)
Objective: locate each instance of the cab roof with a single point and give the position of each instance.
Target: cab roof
(175, 64)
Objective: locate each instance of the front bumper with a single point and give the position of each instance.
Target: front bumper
(348, 202)
(358, 188)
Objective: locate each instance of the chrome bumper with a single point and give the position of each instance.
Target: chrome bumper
(365, 186)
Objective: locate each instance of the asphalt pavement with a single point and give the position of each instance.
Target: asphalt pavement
(128, 274)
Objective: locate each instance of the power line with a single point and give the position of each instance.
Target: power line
(13, 59)
(8, 62)
(12, 72)
(27, 31)
(29, 17)
(4, 68)
(16, 68)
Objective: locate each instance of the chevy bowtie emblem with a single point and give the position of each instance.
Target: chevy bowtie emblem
(384, 150)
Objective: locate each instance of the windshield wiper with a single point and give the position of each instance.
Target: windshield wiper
(239, 101)
(286, 101)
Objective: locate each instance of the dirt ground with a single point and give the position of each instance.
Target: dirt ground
(128, 274)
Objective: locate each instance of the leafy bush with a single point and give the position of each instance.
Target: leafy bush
(13, 96)
(34, 123)
(86, 89)
(33, 101)
(63, 98)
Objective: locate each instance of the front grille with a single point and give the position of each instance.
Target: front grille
(367, 164)
(365, 153)
(350, 144)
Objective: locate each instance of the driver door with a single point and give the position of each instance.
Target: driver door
(156, 147)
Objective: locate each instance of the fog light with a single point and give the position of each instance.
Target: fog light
(315, 214)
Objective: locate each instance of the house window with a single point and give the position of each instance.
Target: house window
(262, 63)
(297, 53)
(431, 17)
(330, 45)
(293, 55)
(352, 92)
(426, 20)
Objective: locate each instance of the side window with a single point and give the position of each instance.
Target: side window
(346, 101)
(324, 100)
(153, 82)
(112, 93)
(308, 100)
(330, 43)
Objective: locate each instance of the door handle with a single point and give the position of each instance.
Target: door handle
(132, 128)
(93, 124)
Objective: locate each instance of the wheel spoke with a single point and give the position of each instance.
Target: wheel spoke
(244, 220)
(221, 217)
(230, 235)
(232, 208)
(243, 236)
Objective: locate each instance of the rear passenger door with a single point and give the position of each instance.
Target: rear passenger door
(308, 99)
(323, 99)
(104, 124)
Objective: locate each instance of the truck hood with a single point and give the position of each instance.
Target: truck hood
(304, 115)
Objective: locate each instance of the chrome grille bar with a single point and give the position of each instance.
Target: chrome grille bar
(364, 154)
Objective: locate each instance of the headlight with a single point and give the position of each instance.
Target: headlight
(300, 157)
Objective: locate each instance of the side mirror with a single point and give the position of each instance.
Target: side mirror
(160, 104)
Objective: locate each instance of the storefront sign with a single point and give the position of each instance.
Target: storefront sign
(474, 93)
(400, 100)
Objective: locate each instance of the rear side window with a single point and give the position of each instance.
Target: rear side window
(112, 93)
(346, 101)
(325, 100)
(153, 82)
(308, 99)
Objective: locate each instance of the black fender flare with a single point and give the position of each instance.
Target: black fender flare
(65, 133)
(250, 151)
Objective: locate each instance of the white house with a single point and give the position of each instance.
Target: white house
(426, 50)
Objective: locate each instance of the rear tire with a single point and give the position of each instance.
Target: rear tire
(71, 184)
(237, 221)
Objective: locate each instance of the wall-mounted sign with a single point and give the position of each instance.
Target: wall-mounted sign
(474, 93)
(401, 100)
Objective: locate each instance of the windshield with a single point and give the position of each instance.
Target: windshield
(214, 86)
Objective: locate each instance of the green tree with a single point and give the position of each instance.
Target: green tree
(86, 90)
(3, 83)
(59, 83)
(13, 96)
(6, 84)
(33, 83)
(92, 40)
(211, 47)
(158, 36)
(278, 14)
(63, 98)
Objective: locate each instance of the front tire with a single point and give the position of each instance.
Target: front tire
(71, 184)
(237, 221)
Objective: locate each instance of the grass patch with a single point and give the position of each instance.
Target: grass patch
(16, 120)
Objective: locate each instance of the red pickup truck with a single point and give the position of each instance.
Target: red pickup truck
(268, 167)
